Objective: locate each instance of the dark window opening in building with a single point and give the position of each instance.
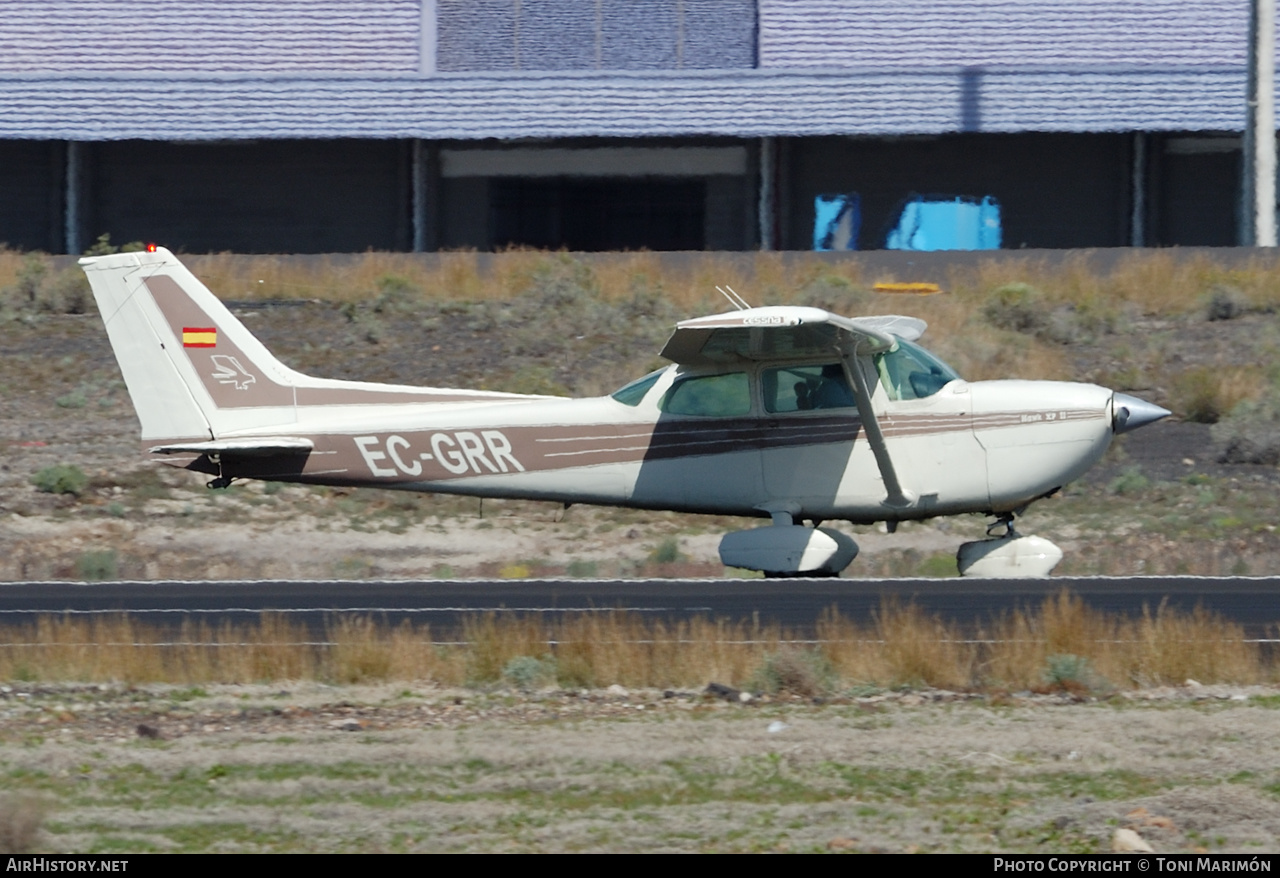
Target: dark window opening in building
(1197, 197)
(593, 215)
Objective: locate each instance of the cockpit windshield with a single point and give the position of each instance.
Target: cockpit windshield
(908, 371)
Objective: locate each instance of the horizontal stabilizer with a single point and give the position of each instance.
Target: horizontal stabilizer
(267, 447)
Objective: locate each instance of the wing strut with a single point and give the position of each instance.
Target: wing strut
(897, 497)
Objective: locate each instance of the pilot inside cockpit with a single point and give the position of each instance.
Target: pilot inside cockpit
(803, 403)
(833, 391)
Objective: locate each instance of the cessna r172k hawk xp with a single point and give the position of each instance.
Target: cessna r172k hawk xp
(787, 413)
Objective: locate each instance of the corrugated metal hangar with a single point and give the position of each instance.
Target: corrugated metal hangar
(326, 125)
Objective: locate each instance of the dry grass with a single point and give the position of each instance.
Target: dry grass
(1063, 642)
(1153, 281)
(903, 647)
(1164, 647)
(1085, 302)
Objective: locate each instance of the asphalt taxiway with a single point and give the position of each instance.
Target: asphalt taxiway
(795, 603)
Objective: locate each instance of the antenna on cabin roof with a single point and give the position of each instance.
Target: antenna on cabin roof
(734, 299)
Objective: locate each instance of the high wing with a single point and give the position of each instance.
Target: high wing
(782, 333)
(795, 332)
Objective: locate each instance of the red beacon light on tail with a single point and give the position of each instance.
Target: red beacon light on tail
(151, 248)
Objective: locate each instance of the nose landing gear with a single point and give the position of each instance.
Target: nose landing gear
(1007, 554)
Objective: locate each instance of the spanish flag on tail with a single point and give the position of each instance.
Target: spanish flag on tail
(199, 337)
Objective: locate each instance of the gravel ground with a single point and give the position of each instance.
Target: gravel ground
(315, 768)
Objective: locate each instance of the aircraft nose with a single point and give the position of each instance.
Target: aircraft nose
(1130, 413)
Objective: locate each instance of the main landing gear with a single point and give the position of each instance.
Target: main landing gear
(785, 549)
(223, 480)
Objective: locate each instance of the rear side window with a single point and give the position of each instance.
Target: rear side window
(636, 391)
(710, 396)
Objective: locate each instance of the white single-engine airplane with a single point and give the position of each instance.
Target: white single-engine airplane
(788, 413)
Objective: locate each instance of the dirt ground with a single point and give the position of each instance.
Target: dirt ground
(314, 768)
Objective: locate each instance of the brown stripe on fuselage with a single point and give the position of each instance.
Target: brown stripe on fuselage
(407, 457)
(308, 396)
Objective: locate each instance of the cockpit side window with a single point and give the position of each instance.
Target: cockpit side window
(709, 396)
(806, 388)
(908, 371)
(633, 393)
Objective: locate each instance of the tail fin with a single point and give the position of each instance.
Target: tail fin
(193, 370)
(196, 373)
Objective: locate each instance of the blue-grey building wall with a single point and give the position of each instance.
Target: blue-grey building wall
(476, 69)
(884, 96)
(494, 35)
(914, 34)
(210, 36)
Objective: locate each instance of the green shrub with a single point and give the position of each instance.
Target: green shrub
(97, 566)
(1072, 673)
(25, 291)
(1251, 434)
(1207, 394)
(104, 247)
(73, 400)
(803, 672)
(396, 295)
(667, 552)
(1225, 303)
(583, 569)
(1019, 307)
(526, 673)
(940, 565)
(37, 289)
(66, 292)
(62, 478)
(1131, 481)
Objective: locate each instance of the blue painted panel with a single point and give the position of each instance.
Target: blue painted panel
(947, 224)
(837, 221)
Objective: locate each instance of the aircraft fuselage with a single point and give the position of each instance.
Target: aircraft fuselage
(971, 447)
